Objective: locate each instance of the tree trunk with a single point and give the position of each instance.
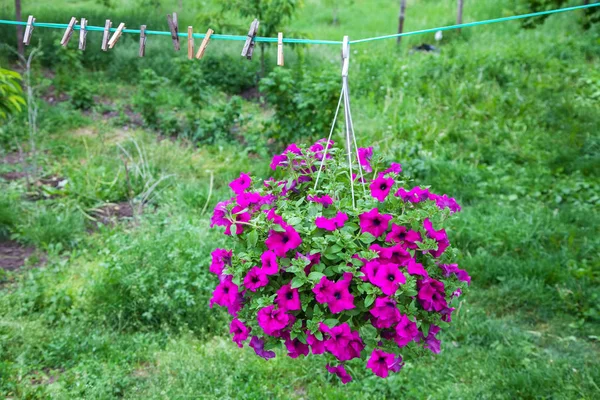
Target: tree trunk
(459, 14)
(20, 46)
(401, 19)
(262, 60)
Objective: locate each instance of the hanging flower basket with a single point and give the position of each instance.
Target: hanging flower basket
(363, 271)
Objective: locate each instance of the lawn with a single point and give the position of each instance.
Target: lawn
(109, 206)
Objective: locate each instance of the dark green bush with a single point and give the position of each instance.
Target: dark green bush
(304, 104)
(82, 95)
(222, 125)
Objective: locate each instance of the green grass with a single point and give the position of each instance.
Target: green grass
(504, 119)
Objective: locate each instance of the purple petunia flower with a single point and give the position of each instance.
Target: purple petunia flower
(326, 200)
(461, 274)
(364, 158)
(439, 236)
(239, 217)
(319, 148)
(444, 201)
(343, 343)
(401, 234)
(432, 295)
(288, 299)
(269, 263)
(313, 259)
(272, 320)
(255, 278)
(282, 242)
(240, 184)
(220, 259)
(331, 224)
(340, 371)
(388, 278)
(380, 187)
(374, 223)
(415, 195)
(219, 214)
(380, 362)
(396, 254)
(316, 346)
(240, 331)
(431, 342)
(295, 347)
(406, 331)
(259, 348)
(415, 268)
(384, 313)
(397, 364)
(394, 168)
(274, 217)
(226, 294)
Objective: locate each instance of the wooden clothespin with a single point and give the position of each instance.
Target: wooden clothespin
(190, 43)
(28, 30)
(345, 56)
(142, 40)
(204, 43)
(172, 20)
(107, 27)
(115, 37)
(280, 49)
(68, 32)
(82, 34)
(249, 45)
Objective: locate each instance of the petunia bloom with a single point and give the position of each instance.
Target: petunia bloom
(380, 362)
(240, 331)
(374, 223)
(226, 294)
(274, 217)
(219, 217)
(388, 278)
(326, 200)
(406, 331)
(431, 342)
(396, 254)
(404, 236)
(288, 299)
(460, 274)
(242, 183)
(364, 158)
(322, 290)
(384, 313)
(255, 278)
(269, 263)
(239, 216)
(340, 371)
(331, 224)
(439, 236)
(259, 348)
(313, 259)
(444, 201)
(394, 168)
(397, 364)
(431, 296)
(316, 346)
(415, 195)
(340, 297)
(380, 187)
(272, 320)
(282, 242)
(342, 342)
(295, 347)
(415, 268)
(220, 259)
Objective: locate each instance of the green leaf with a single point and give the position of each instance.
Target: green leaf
(331, 322)
(298, 282)
(369, 300)
(315, 276)
(252, 239)
(367, 238)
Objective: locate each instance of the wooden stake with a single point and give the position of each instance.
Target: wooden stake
(401, 20)
(107, 27)
(172, 20)
(68, 32)
(280, 49)
(28, 30)
(82, 34)
(115, 37)
(190, 43)
(142, 40)
(204, 43)
(459, 14)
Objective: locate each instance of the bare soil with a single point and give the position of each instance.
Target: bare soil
(13, 255)
(13, 176)
(111, 213)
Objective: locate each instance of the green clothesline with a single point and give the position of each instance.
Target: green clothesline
(313, 41)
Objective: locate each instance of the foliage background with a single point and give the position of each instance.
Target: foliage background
(505, 118)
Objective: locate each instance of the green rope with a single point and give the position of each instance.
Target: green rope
(312, 41)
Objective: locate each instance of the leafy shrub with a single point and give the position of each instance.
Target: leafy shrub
(313, 269)
(304, 104)
(82, 95)
(222, 125)
(145, 100)
(69, 65)
(153, 277)
(226, 72)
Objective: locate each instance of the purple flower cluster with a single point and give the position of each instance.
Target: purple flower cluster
(309, 272)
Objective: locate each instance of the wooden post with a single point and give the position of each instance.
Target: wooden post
(20, 47)
(459, 14)
(401, 20)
